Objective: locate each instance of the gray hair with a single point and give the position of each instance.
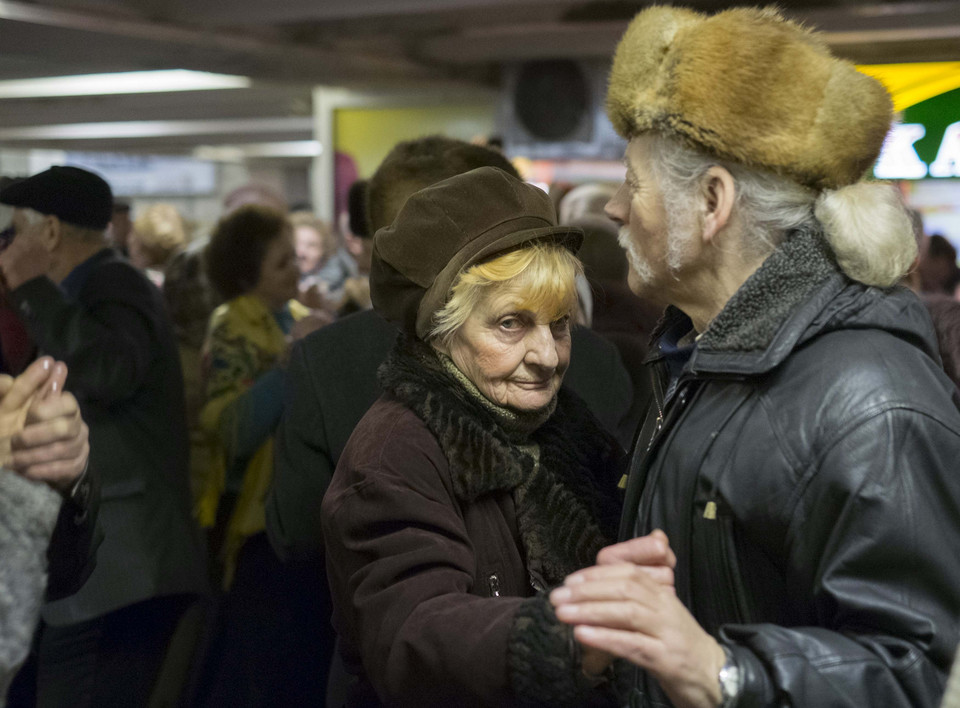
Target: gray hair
(866, 223)
(32, 217)
(79, 233)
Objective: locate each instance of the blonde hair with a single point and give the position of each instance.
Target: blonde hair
(160, 232)
(327, 239)
(542, 274)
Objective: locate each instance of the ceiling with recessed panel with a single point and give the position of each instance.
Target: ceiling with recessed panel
(288, 46)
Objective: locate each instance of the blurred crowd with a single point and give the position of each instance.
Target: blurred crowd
(229, 307)
(282, 461)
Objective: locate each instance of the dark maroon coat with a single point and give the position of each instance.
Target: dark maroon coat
(425, 558)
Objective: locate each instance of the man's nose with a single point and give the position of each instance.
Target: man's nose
(614, 209)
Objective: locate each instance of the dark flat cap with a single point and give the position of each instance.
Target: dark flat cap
(71, 194)
(446, 228)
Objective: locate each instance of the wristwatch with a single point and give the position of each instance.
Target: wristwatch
(79, 495)
(729, 679)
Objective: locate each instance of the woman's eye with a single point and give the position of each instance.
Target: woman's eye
(561, 324)
(509, 323)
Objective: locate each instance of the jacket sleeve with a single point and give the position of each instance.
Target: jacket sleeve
(107, 341)
(401, 570)
(302, 466)
(874, 542)
(72, 553)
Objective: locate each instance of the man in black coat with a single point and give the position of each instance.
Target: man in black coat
(332, 375)
(800, 459)
(83, 304)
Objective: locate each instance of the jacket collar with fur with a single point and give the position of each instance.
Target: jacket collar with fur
(798, 293)
(563, 478)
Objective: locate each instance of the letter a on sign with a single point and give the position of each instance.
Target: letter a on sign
(898, 158)
(947, 163)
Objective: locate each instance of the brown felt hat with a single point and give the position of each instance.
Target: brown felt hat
(747, 85)
(446, 228)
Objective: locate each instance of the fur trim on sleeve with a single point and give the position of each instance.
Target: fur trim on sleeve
(543, 661)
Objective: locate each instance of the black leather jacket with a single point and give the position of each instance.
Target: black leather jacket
(806, 472)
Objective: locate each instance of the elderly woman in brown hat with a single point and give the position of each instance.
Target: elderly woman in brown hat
(476, 482)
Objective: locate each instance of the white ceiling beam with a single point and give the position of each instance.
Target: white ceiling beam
(248, 11)
(156, 129)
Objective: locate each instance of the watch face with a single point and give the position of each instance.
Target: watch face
(729, 681)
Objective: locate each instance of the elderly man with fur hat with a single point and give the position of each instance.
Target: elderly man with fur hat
(801, 459)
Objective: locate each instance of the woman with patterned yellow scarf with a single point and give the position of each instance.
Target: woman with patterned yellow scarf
(251, 261)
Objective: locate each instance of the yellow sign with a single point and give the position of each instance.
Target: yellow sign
(910, 84)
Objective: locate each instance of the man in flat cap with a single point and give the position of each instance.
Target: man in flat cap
(799, 473)
(83, 304)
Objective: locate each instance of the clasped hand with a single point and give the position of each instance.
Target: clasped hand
(626, 606)
(42, 435)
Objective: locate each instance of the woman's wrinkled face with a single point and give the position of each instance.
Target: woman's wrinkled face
(515, 357)
(279, 275)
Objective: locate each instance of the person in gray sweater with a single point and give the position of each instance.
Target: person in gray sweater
(45, 494)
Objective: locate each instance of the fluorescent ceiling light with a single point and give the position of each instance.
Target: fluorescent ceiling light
(158, 128)
(246, 151)
(124, 82)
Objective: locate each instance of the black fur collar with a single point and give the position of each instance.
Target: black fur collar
(563, 479)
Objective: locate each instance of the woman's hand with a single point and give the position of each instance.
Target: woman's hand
(357, 291)
(16, 396)
(628, 607)
(42, 435)
(314, 298)
(311, 323)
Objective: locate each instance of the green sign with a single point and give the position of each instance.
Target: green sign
(925, 143)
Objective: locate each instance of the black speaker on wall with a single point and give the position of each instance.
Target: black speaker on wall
(553, 109)
(552, 99)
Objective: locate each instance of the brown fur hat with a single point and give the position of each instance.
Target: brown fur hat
(749, 86)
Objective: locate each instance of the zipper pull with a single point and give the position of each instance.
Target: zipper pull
(493, 582)
(710, 511)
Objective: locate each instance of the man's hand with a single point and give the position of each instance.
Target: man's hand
(629, 608)
(42, 435)
(54, 445)
(23, 260)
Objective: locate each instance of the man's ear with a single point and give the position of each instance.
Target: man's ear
(51, 234)
(719, 193)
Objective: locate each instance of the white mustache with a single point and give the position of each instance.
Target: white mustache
(623, 236)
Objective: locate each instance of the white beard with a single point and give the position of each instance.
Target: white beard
(640, 266)
(679, 246)
(679, 242)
